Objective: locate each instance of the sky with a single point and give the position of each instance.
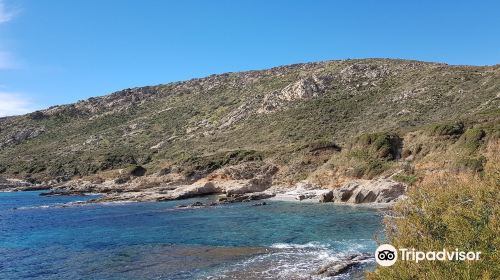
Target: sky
(58, 51)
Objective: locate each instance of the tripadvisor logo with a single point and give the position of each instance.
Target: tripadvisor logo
(387, 255)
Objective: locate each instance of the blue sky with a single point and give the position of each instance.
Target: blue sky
(58, 51)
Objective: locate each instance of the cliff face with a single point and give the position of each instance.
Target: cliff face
(322, 121)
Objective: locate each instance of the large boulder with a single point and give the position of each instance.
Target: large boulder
(257, 184)
(326, 197)
(369, 191)
(193, 190)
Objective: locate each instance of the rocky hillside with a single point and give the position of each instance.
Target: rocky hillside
(324, 122)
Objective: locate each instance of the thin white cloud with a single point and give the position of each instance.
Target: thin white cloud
(5, 14)
(6, 61)
(12, 104)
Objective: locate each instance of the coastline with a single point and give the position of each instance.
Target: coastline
(379, 193)
(291, 252)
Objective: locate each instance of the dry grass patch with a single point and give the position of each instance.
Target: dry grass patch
(461, 212)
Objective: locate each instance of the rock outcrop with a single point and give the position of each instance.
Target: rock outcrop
(366, 191)
(302, 191)
(326, 197)
(302, 89)
(16, 185)
(197, 189)
(19, 136)
(257, 184)
(343, 265)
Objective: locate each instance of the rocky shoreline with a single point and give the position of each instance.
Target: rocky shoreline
(234, 184)
(342, 265)
(254, 188)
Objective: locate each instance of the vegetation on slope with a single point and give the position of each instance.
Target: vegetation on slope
(448, 212)
(278, 113)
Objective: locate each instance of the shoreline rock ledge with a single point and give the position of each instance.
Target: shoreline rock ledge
(366, 191)
(343, 265)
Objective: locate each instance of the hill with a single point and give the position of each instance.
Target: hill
(325, 122)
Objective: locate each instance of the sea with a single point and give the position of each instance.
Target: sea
(58, 237)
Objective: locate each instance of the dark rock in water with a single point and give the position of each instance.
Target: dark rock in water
(326, 197)
(197, 204)
(246, 197)
(260, 204)
(232, 199)
(343, 265)
(260, 195)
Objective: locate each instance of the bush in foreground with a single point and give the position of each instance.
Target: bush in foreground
(442, 212)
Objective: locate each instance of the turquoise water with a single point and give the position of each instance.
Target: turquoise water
(41, 238)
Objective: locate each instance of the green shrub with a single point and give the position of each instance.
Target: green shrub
(447, 213)
(371, 154)
(323, 145)
(472, 138)
(135, 170)
(117, 158)
(447, 129)
(370, 168)
(359, 154)
(196, 166)
(406, 179)
(376, 167)
(381, 145)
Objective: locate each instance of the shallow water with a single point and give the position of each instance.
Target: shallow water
(39, 239)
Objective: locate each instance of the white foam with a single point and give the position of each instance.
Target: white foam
(312, 245)
(40, 206)
(54, 205)
(295, 261)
